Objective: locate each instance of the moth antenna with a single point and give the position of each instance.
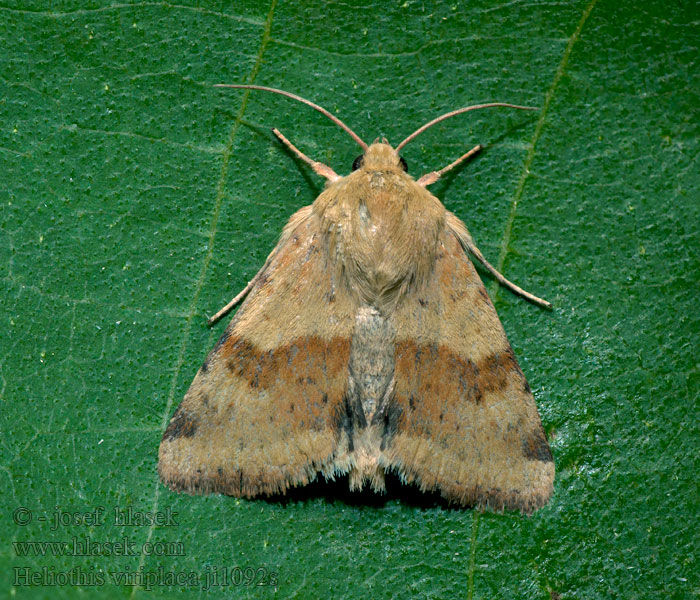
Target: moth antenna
(454, 113)
(320, 109)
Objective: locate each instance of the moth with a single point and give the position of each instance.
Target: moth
(366, 344)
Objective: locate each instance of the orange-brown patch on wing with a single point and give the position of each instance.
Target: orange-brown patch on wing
(435, 370)
(314, 357)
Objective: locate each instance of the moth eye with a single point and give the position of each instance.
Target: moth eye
(357, 163)
(403, 164)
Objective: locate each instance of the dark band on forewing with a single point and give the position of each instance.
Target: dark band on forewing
(457, 377)
(308, 361)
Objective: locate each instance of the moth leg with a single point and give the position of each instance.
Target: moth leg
(430, 178)
(465, 238)
(243, 293)
(319, 168)
(295, 221)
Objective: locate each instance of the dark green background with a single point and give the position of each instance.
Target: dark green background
(137, 199)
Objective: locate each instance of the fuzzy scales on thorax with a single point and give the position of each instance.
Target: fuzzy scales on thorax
(381, 230)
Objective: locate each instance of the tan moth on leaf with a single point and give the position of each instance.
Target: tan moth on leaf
(366, 344)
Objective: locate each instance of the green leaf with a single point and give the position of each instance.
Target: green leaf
(137, 199)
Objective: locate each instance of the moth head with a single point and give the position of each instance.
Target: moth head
(380, 156)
